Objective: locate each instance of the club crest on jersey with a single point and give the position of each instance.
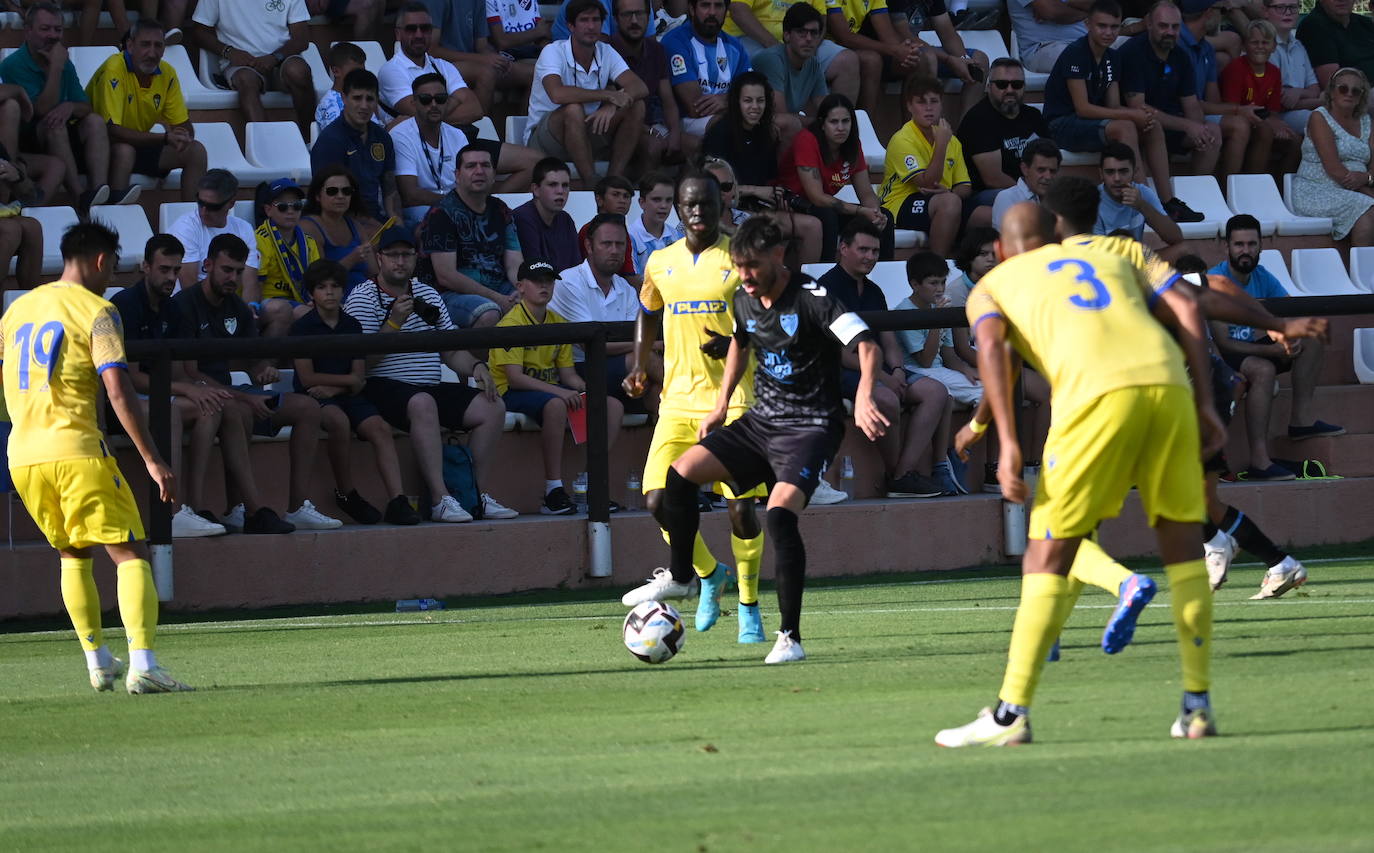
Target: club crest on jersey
(788, 323)
(699, 306)
(231, 324)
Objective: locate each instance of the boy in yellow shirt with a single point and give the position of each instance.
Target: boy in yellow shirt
(285, 252)
(925, 178)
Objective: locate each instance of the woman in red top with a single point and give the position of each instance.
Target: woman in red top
(1253, 81)
(821, 160)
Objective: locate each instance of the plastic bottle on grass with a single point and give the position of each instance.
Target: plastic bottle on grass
(411, 605)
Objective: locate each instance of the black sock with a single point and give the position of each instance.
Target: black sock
(681, 519)
(1006, 713)
(1248, 535)
(789, 568)
(1209, 530)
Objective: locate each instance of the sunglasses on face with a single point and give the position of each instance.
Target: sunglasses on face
(343, 191)
(284, 206)
(426, 100)
(213, 207)
(1347, 89)
(1013, 84)
(418, 28)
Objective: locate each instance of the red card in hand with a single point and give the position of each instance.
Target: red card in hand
(577, 421)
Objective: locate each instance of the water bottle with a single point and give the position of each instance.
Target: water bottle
(411, 605)
(580, 492)
(847, 477)
(633, 488)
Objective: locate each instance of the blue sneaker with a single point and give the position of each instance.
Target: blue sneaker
(1054, 652)
(750, 624)
(708, 608)
(1136, 592)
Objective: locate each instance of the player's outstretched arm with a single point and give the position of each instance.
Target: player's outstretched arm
(646, 333)
(124, 400)
(1177, 309)
(995, 369)
(1223, 299)
(866, 414)
(736, 360)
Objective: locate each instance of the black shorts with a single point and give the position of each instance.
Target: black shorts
(914, 214)
(335, 10)
(617, 367)
(491, 146)
(263, 426)
(1224, 382)
(146, 159)
(30, 140)
(756, 450)
(355, 406)
(1282, 364)
(392, 399)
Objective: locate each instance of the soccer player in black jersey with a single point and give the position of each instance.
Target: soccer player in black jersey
(797, 332)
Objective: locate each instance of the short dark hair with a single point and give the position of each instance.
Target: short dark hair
(1106, 7)
(924, 265)
(799, 15)
(472, 148)
(613, 182)
(604, 219)
(146, 24)
(1006, 62)
(167, 244)
(654, 179)
(858, 225)
(221, 182)
(757, 235)
(1040, 147)
(918, 85)
(1074, 200)
(1241, 222)
(426, 79)
(1118, 151)
(972, 245)
(1190, 263)
(229, 244)
(697, 173)
(322, 271)
(414, 7)
(360, 78)
(86, 241)
(317, 181)
(577, 7)
(44, 6)
(547, 165)
(344, 52)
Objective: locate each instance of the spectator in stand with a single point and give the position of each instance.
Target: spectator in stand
(336, 383)
(1301, 93)
(823, 159)
(613, 194)
(259, 50)
(1040, 161)
(925, 176)
(364, 147)
(731, 217)
(540, 383)
(280, 295)
(948, 59)
(135, 90)
(517, 29)
(20, 236)
(646, 58)
(471, 247)
(596, 292)
(426, 149)
(701, 63)
(1259, 358)
(650, 230)
(977, 254)
(1044, 28)
(415, 37)
(1252, 80)
(546, 230)
(1128, 205)
(464, 41)
(1156, 72)
(63, 122)
(366, 14)
(407, 387)
(994, 132)
(788, 44)
(212, 309)
(586, 103)
(1238, 122)
(212, 217)
(1337, 38)
(865, 27)
(335, 219)
(16, 110)
(342, 58)
(1335, 178)
(146, 313)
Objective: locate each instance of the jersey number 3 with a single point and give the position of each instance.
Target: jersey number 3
(1100, 297)
(38, 349)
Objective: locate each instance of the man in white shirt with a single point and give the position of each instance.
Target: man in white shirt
(1040, 161)
(426, 149)
(593, 292)
(575, 114)
(247, 38)
(1301, 94)
(213, 216)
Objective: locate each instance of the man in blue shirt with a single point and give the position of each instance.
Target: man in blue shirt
(1259, 358)
(701, 63)
(1236, 120)
(1126, 205)
(354, 140)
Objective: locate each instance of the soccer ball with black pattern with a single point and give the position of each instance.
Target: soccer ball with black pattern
(653, 632)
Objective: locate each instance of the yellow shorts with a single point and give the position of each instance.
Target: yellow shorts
(79, 502)
(674, 436)
(1146, 437)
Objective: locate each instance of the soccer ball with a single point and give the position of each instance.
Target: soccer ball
(653, 632)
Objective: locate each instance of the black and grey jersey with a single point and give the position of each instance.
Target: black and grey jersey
(797, 345)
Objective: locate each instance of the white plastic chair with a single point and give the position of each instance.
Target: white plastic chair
(1035, 80)
(1364, 356)
(1258, 196)
(891, 277)
(194, 90)
(486, 129)
(55, 220)
(1272, 260)
(223, 152)
(131, 223)
(87, 60)
(1202, 194)
(1320, 272)
(277, 146)
(374, 53)
(515, 129)
(874, 151)
(1079, 158)
(1362, 267)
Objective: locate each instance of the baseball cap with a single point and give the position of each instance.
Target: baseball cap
(1196, 7)
(394, 235)
(281, 185)
(537, 269)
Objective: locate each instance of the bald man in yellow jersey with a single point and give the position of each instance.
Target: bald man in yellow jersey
(1124, 413)
(688, 288)
(62, 343)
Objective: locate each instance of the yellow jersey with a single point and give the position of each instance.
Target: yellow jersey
(908, 155)
(118, 97)
(56, 341)
(540, 362)
(855, 11)
(1081, 316)
(695, 293)
(278, 257)
(770, 13)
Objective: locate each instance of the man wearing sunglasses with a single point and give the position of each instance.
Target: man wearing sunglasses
(1301, 94)
(426, 149)
(995, 132)
(1337, 38)
(212, 217)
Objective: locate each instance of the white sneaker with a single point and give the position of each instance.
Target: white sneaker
(449, 510)
(786, 649)
(187, 525)
(985, 731)
(1219, 551)
(156, 680)
(233, 519)
(1287, 575)
(826, 495)
(660, 587)
(1193, 725)
(492, 509)
(309, 518)
(104, 678)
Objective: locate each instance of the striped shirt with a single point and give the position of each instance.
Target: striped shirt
(369, 305)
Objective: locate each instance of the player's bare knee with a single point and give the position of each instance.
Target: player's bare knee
(653, 502)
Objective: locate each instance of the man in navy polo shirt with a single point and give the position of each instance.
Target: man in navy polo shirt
(363, 147)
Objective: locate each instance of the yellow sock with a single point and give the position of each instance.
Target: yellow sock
(1190, 596)
(138, 602)
(1072, 590)
(702, 559)
(1094, 566)
(83, 601)
(748, 558)
(1039, 619)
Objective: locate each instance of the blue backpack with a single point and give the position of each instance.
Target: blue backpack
(460, 478)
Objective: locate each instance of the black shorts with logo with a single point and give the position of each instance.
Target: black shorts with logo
(914, 214)
(756, 450)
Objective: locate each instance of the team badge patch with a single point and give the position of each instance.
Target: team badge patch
(378, 151)
(910, 161)
(679, 64)
(788, 322)
(231, 324)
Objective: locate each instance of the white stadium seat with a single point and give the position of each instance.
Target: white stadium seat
(375, 57)
(874, 150)
(1203, 195)
(902, 238)
(171, 211)
(1364, 355)
(891, 277)
(87, 60)
(1320, 272)
(581, 204)
(1259, 196)
(1362, 267)
(198, 95)
(131, 223)
(1079, 158)
(55, 220)
(486, 129)
(223, 152)
(1272, 260)
(1035, 80)
(277, 146)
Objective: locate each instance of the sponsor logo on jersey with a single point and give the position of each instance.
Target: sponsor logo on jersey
(698, 306)
(679, 64)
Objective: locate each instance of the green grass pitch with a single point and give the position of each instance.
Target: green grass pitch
(515, 726)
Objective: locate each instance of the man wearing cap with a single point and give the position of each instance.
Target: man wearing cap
(407, 387)
(280, 295)
(366, 149)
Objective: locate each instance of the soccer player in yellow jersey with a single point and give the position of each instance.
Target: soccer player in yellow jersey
(688, 287)
(62, 343)
(1095, 326)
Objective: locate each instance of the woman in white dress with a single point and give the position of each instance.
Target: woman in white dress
(1334, 178)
